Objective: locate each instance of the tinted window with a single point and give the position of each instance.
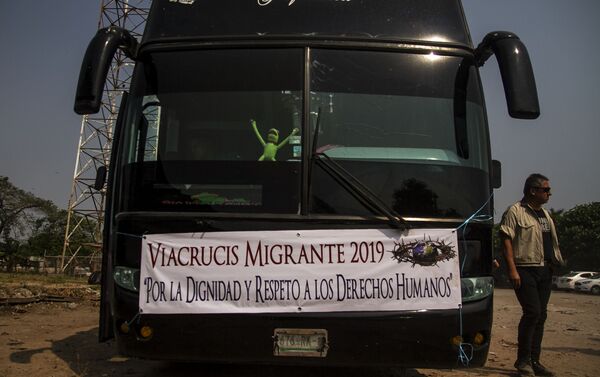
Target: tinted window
(410, 126)
(200, 123)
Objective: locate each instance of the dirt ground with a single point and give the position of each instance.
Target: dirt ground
(59, 339)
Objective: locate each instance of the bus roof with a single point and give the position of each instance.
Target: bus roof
(421, 21)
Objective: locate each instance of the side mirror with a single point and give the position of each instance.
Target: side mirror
(517, 74)
(100, 178)
(96, 63)
(496, 174)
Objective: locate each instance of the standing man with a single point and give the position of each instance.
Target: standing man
(531, 250)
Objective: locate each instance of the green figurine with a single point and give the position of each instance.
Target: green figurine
(271, 147)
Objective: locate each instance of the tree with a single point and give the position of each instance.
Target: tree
(416, 198)
(31, 226)
(48, 234)
(579, 236)
(18, 210)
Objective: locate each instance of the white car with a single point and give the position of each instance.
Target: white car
(568, 281)
(591, 285)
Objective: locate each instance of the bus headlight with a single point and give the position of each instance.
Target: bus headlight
(474, 289)
(126, 277)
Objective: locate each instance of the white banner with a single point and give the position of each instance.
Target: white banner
(300, 271)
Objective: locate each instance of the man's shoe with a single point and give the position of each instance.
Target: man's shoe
(524, 368)
(541, 370)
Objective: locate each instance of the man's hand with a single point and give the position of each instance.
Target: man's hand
(513, 275)
(514, 278)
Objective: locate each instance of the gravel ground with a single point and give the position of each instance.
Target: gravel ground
(60, 339)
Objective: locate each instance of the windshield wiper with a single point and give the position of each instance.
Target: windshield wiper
(357, 189)
(353, 185)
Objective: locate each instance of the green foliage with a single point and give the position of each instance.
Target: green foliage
(18, 208)
(579, 236)
(31, 226)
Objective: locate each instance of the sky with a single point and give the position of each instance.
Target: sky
(43, 43)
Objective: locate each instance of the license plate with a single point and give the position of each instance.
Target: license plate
(300, 342)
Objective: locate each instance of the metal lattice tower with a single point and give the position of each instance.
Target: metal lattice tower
(86, 205)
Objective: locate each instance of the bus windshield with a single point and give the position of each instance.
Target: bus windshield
(222, 131)
(410, 126)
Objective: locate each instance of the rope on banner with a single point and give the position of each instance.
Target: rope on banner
(143, 236)
(135, 317)
(463, 357)
(476, 217)
(126, 326)
(465, 350)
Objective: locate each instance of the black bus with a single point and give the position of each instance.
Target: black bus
(275, 120)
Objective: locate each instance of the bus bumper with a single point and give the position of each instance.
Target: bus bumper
(421, 339)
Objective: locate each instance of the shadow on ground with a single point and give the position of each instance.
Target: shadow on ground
(585, 351)
(86, 357)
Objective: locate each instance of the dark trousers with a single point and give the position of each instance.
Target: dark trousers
(533, 295)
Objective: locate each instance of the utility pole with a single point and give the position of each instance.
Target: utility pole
(86, 205)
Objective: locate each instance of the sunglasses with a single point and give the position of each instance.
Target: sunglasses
(544, 189)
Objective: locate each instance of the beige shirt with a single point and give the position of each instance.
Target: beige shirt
(521, 225)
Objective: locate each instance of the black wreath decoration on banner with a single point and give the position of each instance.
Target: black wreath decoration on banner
(423, 252)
